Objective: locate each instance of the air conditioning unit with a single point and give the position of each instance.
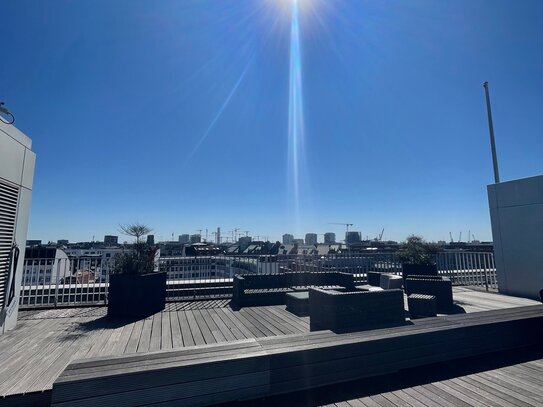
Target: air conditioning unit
(16, 175)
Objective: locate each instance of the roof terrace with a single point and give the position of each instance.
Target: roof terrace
(46, 341)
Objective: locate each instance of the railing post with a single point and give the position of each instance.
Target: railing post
(56, 283)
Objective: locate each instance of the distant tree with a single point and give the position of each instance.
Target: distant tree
(416, 250)
(140, 261)
(137, 230)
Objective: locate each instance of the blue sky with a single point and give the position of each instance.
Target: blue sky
(118, 96)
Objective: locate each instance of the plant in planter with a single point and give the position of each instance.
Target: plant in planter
(417, 257)
(135, 288)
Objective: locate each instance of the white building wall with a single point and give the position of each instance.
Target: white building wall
(516, 211)
(16, 169)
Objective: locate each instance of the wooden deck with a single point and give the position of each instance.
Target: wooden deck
(513, 378)
(45, 341)
(516, 385)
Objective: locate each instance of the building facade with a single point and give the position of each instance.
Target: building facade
(16, 177)
(288, 238)
(110, 240)
(352, 237)
(329, 238)
(310, 238)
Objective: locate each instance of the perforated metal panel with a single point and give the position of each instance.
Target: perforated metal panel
(9, 196)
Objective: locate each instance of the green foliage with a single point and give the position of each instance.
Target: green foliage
(139, 261)
(142, 259)
(416, 250)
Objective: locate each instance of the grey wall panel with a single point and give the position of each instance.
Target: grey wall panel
(516, 211)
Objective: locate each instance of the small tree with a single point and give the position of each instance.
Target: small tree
(142, 260)
(136, 230)
(417, 251)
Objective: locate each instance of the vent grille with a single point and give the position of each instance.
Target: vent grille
(9, 196)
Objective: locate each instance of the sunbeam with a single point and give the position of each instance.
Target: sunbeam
(219, 113)
(295, 116)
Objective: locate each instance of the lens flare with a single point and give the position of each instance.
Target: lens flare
(219, 113)
(295, 113)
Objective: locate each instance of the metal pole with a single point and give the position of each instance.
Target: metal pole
(491, 130)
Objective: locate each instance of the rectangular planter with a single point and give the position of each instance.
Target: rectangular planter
(136, 295)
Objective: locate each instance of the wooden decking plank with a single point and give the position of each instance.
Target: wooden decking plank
(525, 373)
(76, 349)
(134, 339)
(370, 402)
(521, 395)
(145, 338)
(160, 369)
(230, 315)
(166, 340)
(49, 354)
(195, 329)
(297, 322)
(186, 332)
(473, 393)
(420, 396)
(274, 324)
(223, 328)
(24, 349)
(156, 332)
(177, 336)
(212, 325)
(448, 396)
(520, 383)
(395, 400)
(356, 403)
(122, 342)
(112, 343)
(382, 401)
(98, 346)
(256, 331)
(257, 324)
(204, 329)
(407, 398)
(272, 312)
(460, 395)
(232, 324)
(478, 390)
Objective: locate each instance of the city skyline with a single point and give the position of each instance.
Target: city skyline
(197, 94)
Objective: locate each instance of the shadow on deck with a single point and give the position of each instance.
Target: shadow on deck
(45, 341)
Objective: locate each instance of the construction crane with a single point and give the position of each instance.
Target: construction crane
(452, 240)
(344, 224)
(381, 235)
(246, 232)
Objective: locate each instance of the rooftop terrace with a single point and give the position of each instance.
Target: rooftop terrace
(47, 340)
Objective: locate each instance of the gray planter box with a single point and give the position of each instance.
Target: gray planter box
(136, 295)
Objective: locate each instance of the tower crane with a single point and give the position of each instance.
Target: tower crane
(344, 224)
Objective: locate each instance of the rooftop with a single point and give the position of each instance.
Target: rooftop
(36, 352)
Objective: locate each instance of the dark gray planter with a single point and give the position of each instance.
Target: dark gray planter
(136, 295)
(418, 269)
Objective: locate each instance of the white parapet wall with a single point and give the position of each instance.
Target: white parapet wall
(16, 177)
(516, 212)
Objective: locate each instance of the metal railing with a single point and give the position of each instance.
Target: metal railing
(69, 282)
